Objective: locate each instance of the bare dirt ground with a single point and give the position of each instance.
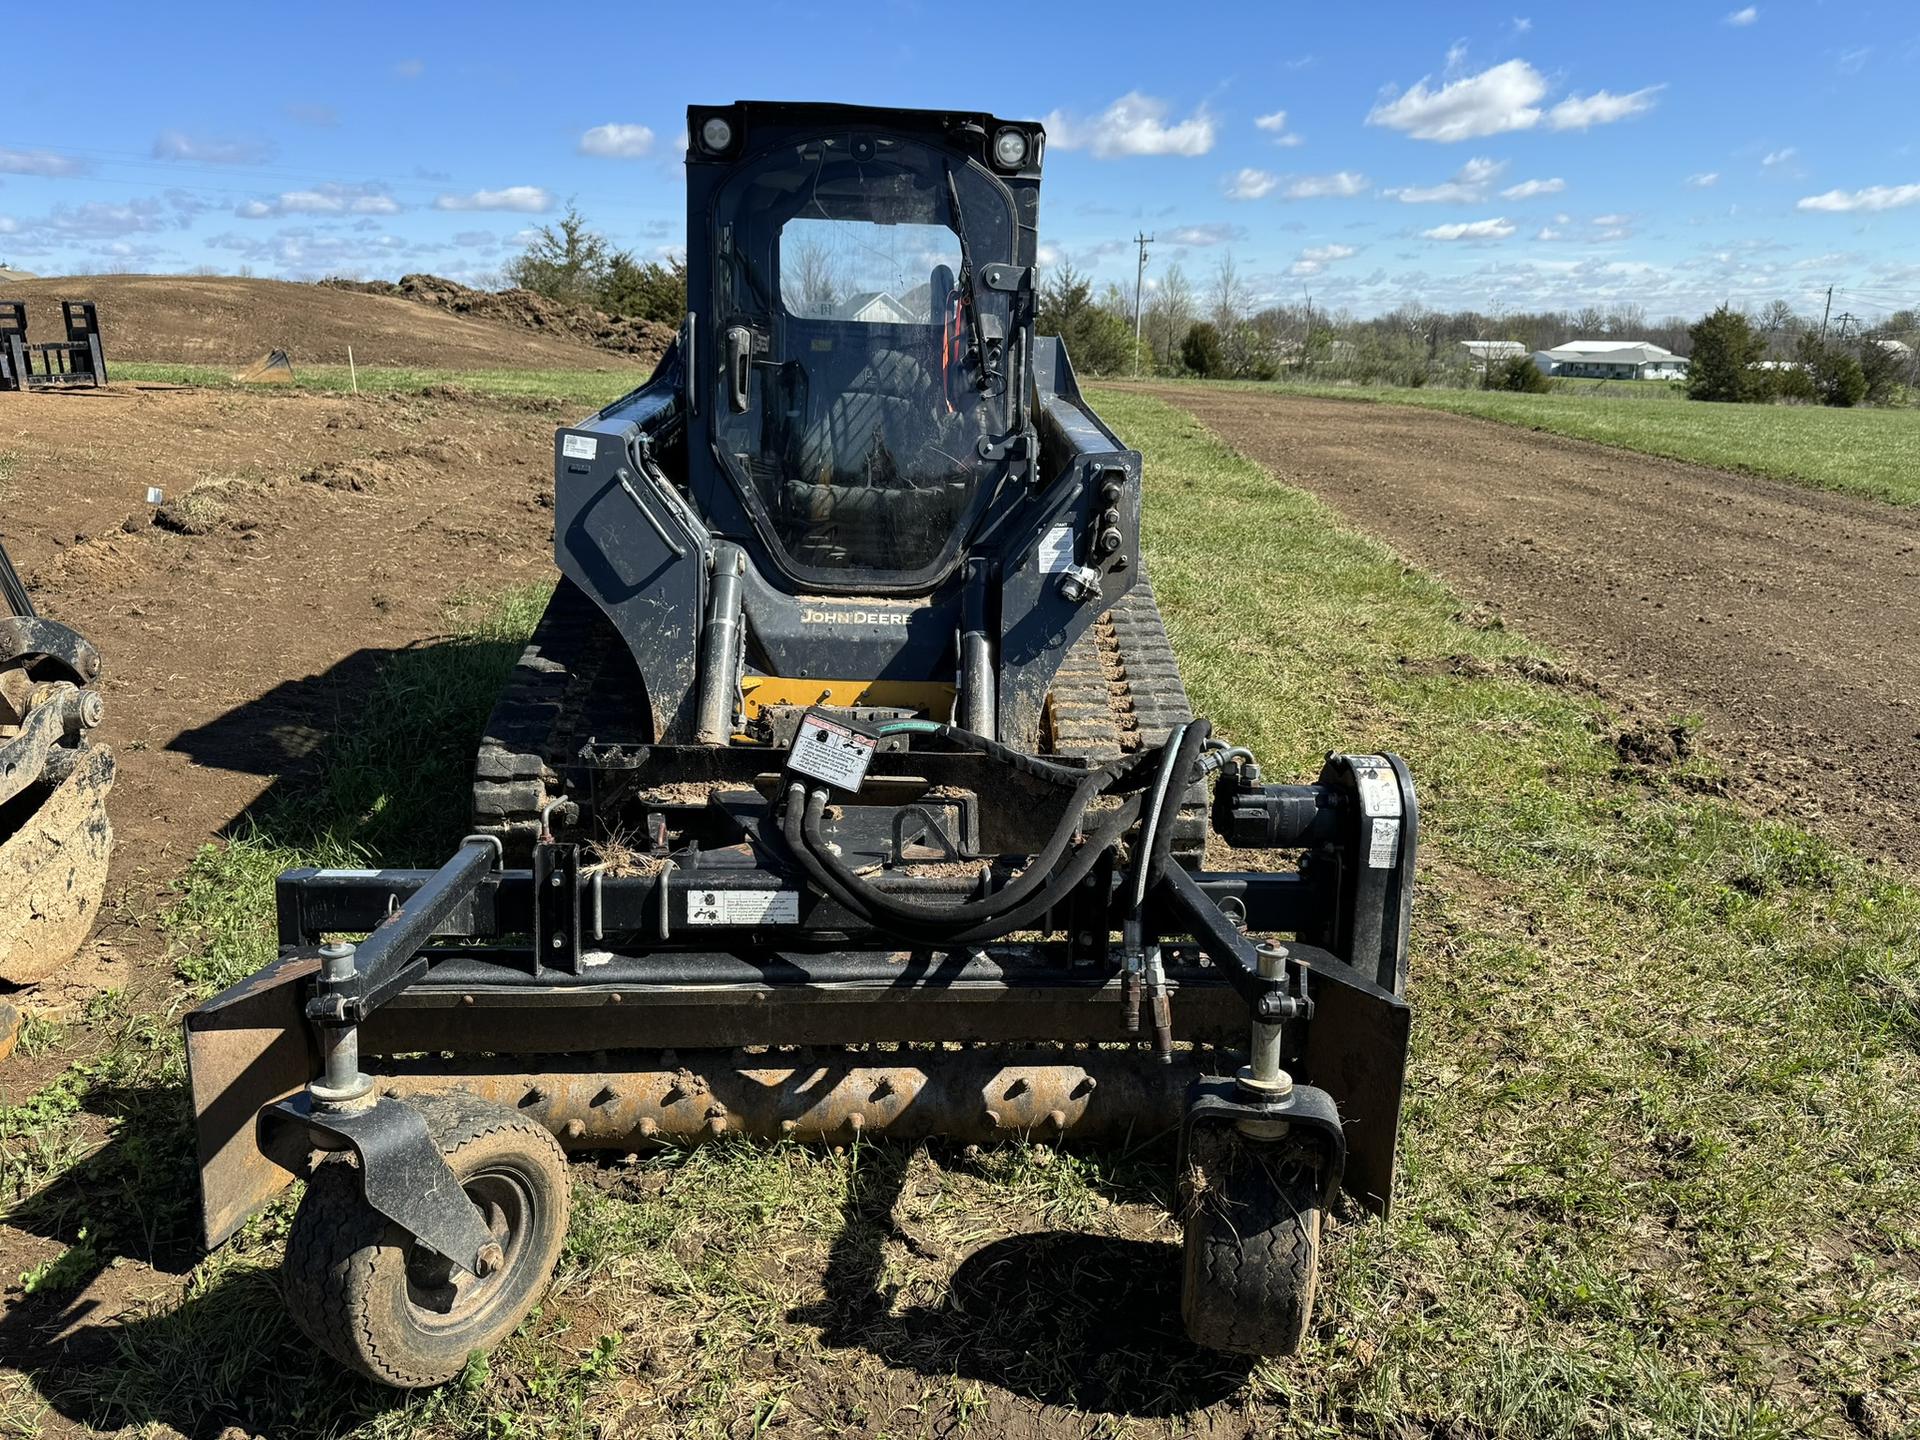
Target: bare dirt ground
(230, 322)
(1787, 620)
(295, 535)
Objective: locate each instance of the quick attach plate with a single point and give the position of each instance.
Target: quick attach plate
(832, 750)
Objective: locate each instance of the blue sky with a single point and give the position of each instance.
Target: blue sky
(1669, 155)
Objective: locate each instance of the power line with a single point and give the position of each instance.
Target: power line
(1141, 239)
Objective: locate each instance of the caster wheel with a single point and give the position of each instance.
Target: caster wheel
(1252, 1214)
(381, 1303)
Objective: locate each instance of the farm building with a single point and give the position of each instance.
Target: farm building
(1611, 360)
(1485, 352)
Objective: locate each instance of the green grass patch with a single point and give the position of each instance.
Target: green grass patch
(587, 388)
(1661, 1165)
(1867, 452)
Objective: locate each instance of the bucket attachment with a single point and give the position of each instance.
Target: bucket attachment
(54, 834)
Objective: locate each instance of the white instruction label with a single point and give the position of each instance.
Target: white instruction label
(1385, 845)
(1379, 788)
(827, 750)
(1056, 550)
(579, 447)
(743, 907)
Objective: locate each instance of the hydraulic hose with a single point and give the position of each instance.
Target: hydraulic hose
(1045, 881)
(1182, 753)
(832, 875)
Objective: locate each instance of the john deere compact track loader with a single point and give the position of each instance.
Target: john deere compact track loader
(849, 766)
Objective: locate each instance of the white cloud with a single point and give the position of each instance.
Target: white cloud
(1275, 125)
(1047, 255)
(1527, 189)
(1705, 180)
(1495, 229)
(1218, 233)
(1612, 221)
(1135, 124)
(173, 145)
(1505, 97)
(331, 199)
(1521, 24)
(1252, 185)
(1603, 107)
(1339, 185)
(1312, 261)
(39, 162)
(528, 199)
(1874, 197)
(1778, 157)
(1467, 187)
(1744, 17)
(617, 142)
(1547, 232)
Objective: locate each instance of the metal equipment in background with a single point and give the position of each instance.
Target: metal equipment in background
(847, 787)
(79, 360)
(55, 838)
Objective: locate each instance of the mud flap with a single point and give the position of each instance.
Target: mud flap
(247, 1047)
(1357, 1053)
(53, 869)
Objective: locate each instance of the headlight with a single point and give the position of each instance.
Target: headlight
(1010, 149)
(716, 135)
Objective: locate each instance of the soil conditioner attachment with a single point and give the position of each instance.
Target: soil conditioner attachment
(847, 788)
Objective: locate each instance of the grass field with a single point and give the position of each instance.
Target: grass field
(587, 388)
(1661, 1166)
(1863, 452)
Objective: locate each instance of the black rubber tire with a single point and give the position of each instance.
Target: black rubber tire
(1252, 1213)
(366, 1293)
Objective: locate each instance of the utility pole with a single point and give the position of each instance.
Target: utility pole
(1139, 284)
(1826, 312)
(1847, 320)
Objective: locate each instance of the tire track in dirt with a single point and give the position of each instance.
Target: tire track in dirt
(1788, 619)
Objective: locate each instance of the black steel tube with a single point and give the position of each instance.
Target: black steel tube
(388, 958)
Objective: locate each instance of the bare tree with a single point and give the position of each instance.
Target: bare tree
(1230, 296)
(1170, 312)
(817, 279)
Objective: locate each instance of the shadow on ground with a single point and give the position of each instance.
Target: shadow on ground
(1060, 1317)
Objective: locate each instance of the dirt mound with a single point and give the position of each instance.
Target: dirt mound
(230, 322)
(622, 334)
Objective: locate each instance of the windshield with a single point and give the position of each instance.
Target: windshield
(855, 434)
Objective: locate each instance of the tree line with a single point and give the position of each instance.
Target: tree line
(1218, 329)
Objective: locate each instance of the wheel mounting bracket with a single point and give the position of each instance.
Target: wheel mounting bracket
(403, 1175)
(1218, 1100)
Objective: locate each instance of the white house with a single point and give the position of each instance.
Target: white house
(876, 307)
(1611, 360)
